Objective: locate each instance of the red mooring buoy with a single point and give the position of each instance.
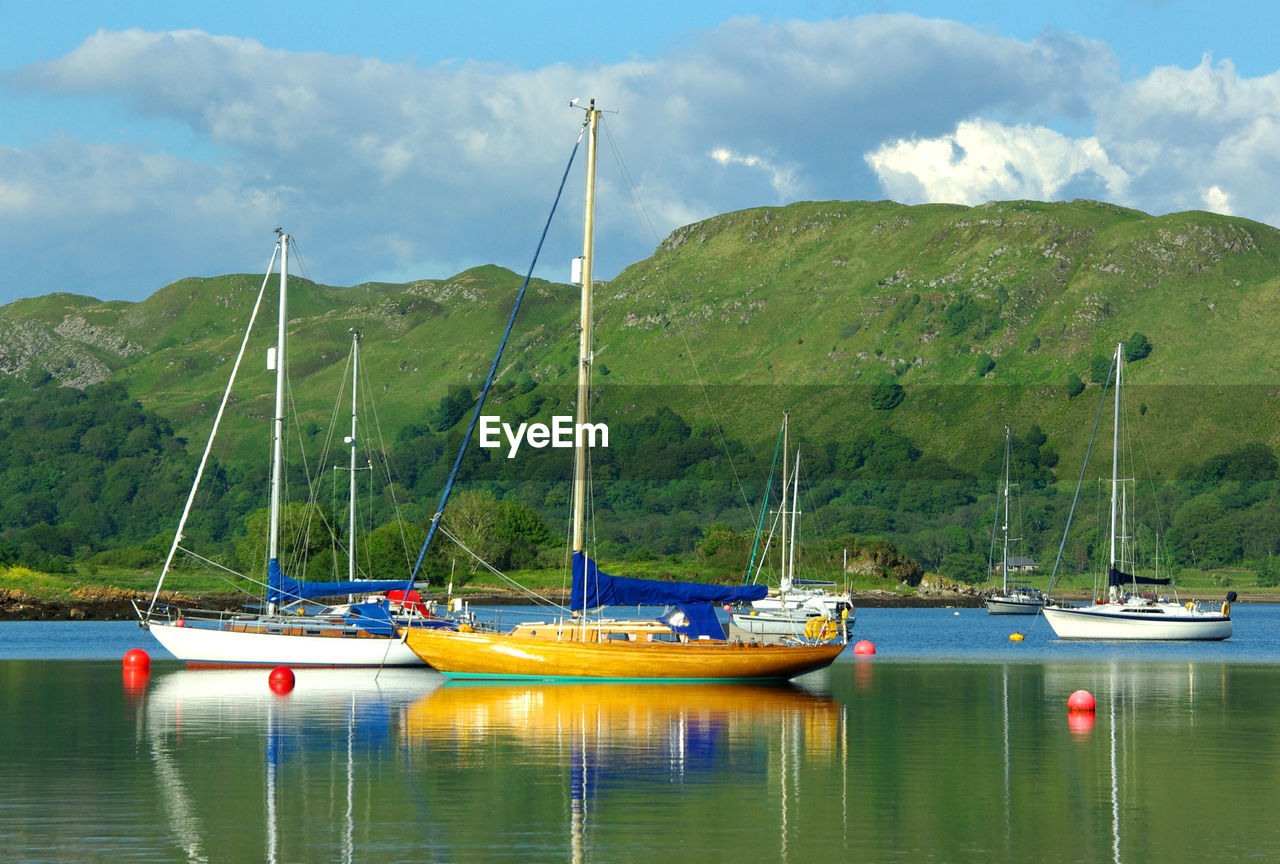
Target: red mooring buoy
(864, 646)
(281, 680)
(1081, 700)
(136, 658)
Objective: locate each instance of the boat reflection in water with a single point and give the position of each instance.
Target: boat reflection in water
(617, 743)
(1140, 708)
(351, 763)
(212, 734)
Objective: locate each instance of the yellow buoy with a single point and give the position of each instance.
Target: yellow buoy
(1015, 637)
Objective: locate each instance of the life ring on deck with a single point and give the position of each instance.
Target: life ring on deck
(821, 628)
(1226, 609)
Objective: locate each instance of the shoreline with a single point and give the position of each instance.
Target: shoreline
(118, 605)
(113, 604)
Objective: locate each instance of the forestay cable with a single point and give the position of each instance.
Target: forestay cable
(493, 369)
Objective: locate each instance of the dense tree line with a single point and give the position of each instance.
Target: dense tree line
(83, 470)
(85, 473)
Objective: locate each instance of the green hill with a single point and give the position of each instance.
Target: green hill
(982, 316)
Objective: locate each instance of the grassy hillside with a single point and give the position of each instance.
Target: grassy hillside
(812, 305)
(981, 315)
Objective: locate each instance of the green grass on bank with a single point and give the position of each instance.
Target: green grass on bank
(63, 587)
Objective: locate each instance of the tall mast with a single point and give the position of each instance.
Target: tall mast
(351, 536)
(795, 518)
(584, 339)
(277, 432)
(784, 582)
(1005, 560)
(1115, 470)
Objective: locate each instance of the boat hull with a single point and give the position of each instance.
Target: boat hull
(773, 623)
(780, 625)
(213, 648)
(458, 654)
(1013, 606)
(830, 604)
(1171, 623)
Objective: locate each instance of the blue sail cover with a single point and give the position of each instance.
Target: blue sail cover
(281, 589)
(592, 587)
(699, 620)
(373, 617)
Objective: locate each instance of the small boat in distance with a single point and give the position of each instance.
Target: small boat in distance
(798, 607)
(1126, 613)
(686, 644)
(1014, 596)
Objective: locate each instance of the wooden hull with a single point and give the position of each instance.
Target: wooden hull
(500, 655)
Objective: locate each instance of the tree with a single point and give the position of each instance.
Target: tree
(472, 517)
(970, 567)
(522, 533)
(1100, 368)
(1268, 572)
(984, 364)
(453, 405)
(1136, 348)
(724, 547)
(391, 550)
(1074, 385)
(305, 541)
(886, 396)
(1205, 534)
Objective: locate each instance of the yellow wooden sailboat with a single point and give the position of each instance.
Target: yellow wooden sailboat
(481, 654)
(688, 645)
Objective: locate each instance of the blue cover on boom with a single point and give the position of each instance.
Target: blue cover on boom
(592, 588)
(283, 590)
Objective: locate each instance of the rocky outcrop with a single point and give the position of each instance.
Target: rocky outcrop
(934, 585)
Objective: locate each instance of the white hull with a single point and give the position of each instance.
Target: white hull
(773, 623)
(1152, 621)
(203, 646)
(794, 601)
(1013, 605)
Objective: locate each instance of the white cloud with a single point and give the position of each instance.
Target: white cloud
(398, 170)
(984, 160)
(1217, 201)
(781, 179)
(1200, 137)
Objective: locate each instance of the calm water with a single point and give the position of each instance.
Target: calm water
(950, 745)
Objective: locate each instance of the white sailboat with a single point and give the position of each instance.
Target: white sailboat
(1126, 613)
(798, 608)
(1015, 596)
(290, 631)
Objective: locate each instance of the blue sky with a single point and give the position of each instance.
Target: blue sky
(145, 142)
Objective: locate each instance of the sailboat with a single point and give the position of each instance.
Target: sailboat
(1126, 613)
(290, 631)
(688, 643)
(798, 607)
(1014, 597)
